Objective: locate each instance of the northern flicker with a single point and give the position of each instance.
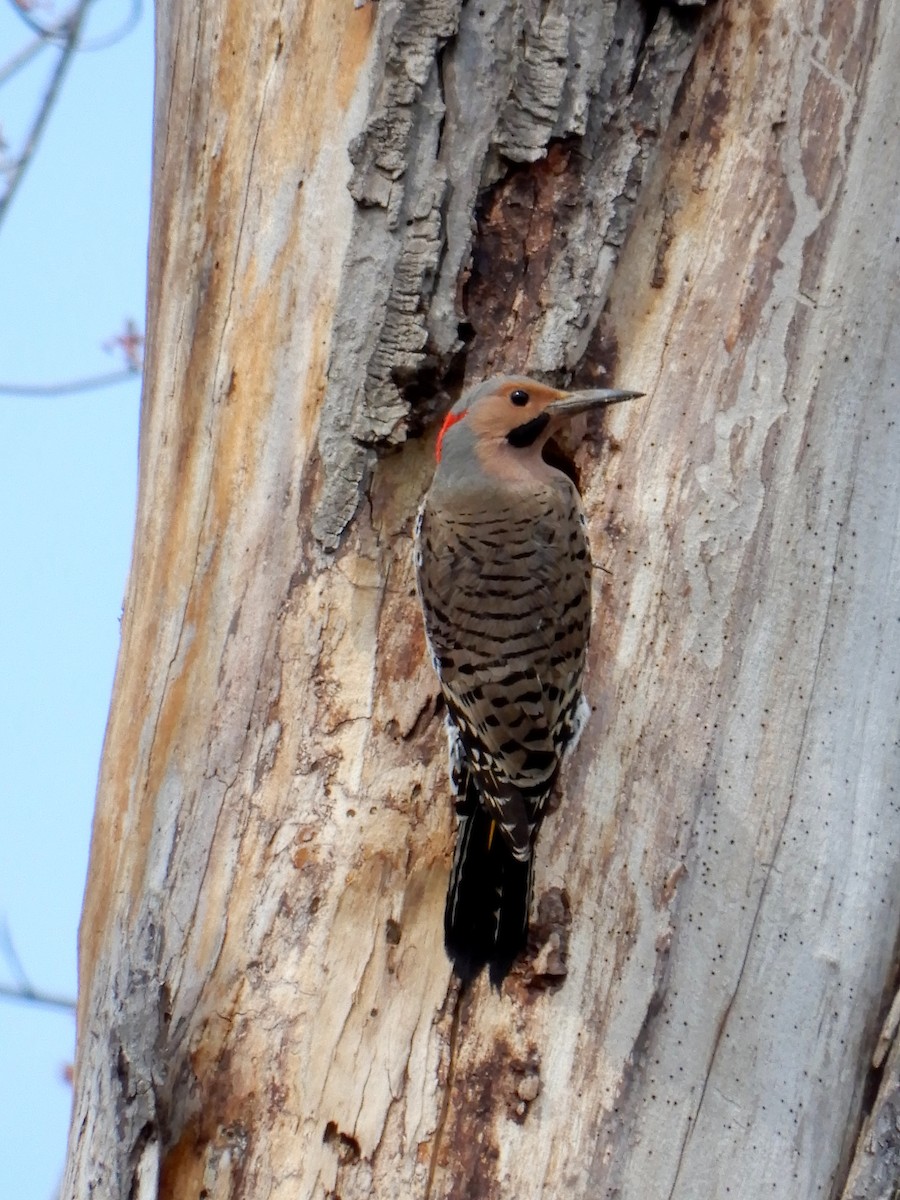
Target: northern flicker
(504, 577)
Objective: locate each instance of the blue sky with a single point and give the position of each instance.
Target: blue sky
(72, 271)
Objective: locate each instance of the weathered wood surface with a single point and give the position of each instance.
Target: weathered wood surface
(355, 209)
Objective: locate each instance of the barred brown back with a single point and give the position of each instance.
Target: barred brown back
(506, 597)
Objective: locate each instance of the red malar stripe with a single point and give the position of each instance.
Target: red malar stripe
(450, 419)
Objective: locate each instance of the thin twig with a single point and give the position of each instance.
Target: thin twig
(24, 990)
(110, 39)
(59, 33)
(32, 996)
(35, 26)
(68, 387)
(9, 952)
(74, 23)
(21, 59)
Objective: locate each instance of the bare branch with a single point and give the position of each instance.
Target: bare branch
(24, 990)
(33, 996)
(69, 386)
(9, 952)
(72, 26)
(46, 37)
(110, 39)
(46, 34)
(22, 59)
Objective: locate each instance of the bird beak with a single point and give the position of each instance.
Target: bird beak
(579, 402)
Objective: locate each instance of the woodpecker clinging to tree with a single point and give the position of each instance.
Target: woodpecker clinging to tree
(504, 578)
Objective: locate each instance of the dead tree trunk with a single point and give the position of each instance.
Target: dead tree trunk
(355, 211)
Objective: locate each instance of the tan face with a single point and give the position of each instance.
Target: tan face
(504, 422)
(513, 403)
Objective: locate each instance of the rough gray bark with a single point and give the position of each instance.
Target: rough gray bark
(355, 211)
(463, 93)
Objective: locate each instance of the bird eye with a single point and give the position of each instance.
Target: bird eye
(519, 397)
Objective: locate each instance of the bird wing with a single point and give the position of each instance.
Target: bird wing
(506, 605)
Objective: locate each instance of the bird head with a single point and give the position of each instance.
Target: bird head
(510, 414)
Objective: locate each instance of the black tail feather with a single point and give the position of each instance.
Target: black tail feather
(488, 898)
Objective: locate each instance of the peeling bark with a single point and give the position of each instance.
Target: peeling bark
(875, 1170)
(356, 211)
(462, 92)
